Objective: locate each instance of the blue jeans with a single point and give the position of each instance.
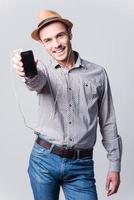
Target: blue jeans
(48, 171)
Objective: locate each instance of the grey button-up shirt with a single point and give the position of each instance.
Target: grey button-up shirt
(72, 102)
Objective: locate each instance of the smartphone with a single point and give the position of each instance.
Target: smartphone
(28, 63)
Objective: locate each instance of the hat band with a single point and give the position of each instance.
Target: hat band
(47, 20)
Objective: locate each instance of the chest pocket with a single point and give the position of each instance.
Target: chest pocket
(90, 91)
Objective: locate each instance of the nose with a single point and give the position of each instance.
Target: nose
(56, 43)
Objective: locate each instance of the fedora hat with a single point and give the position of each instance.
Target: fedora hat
(47, 16)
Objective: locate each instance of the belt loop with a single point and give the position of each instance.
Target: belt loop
(51, 148)
(78, 153)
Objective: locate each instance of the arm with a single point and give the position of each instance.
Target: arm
(110, 138)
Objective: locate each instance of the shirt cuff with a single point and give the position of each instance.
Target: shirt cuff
(115, 166)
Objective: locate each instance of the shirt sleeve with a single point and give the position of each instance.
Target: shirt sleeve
(111, 140)
(37, 82)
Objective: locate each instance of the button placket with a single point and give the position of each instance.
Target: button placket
(64, 73)
(69, 120)
(69, 110)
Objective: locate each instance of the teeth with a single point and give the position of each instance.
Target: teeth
(59, 51)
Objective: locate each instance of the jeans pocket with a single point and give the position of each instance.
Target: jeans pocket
(38, 150)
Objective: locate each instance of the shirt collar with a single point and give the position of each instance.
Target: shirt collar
(77, 64)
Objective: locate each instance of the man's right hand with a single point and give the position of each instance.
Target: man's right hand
(18, 65)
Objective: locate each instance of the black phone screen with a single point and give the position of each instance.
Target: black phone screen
(29, 63)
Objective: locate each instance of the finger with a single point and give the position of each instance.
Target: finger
(113, 189)
(110, 192)
(22, 74)
(17, 55)
(107, 184)
(17, 62)
(18, 68)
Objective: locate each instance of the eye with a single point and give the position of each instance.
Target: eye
(61, 35)
(47, 40)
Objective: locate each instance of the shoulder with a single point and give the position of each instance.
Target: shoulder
(92, 66)
(95, 70)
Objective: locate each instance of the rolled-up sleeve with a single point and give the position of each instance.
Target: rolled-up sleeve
(111, 140)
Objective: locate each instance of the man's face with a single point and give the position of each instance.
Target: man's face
(55, 39)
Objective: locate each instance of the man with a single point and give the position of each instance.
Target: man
(73, 95)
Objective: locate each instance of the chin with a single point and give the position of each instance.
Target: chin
(61, 58)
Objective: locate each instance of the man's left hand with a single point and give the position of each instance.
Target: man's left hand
(112, 182)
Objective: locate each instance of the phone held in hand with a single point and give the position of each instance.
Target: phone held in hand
(29, 64)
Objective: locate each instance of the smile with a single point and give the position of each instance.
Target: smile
(59, 51)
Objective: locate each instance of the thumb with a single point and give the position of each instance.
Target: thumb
(36, 60)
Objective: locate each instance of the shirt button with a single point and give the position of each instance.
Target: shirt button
(70, 122)
(70, 105)
(69, 88)
(70, 139)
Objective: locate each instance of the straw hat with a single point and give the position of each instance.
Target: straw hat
(47, 16)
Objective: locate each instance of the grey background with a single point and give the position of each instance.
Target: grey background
(103, 33)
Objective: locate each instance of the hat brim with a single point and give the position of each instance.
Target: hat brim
(35, 33)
